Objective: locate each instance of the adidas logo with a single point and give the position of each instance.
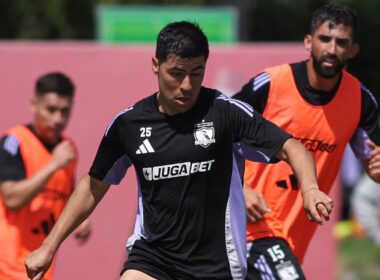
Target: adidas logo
(145, 148)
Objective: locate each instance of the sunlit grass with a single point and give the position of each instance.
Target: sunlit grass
(359, 259)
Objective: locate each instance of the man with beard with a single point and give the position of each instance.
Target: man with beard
(325, 108)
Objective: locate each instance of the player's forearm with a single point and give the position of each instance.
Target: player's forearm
(302, 164)
(80, 205)
(17, 194)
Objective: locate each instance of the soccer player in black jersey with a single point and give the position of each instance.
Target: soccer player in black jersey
(186, 143)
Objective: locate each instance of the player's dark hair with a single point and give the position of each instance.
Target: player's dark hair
(334, 15)
(184, 39)
(55, 82)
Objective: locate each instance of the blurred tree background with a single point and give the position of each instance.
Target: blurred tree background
(260, 20)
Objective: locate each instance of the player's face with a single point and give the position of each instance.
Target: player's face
(51, 115)
(179, 81)
(331, 46)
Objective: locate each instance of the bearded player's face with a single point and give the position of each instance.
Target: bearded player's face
(331, 46)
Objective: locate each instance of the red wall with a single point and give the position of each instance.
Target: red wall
(109, 79)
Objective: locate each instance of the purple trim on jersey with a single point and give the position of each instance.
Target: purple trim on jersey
(235, 226)
(265, 271)
(114, 119)
(260, 80)
(364, 88)
(11, 145)
(139, 231)
(117, 171)
(252, 154)
(242, 105)
(359, 144)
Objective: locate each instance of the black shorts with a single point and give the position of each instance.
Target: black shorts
(149, 263)
(157, 265)
(272, 259)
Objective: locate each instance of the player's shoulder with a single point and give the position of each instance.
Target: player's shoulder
(229, 104)
(350, 80)
(18, 129)
(13, 137)
(215, 96)
(10, 143)
(266, 75)
(127, 115)
(365, 90)
(142, 106)
(209, 93)
(207, 97)
(276, 71)
(124, 115)
(368, 95)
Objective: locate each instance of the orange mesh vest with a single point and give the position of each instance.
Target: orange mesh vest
(23, 230)
(324, 130)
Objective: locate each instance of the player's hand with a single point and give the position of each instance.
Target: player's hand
(374, 162)
(255, 204)
(317, 205)
(63, 153)
(38, 262)
(83, 232)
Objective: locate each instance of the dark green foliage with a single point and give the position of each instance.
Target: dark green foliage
(367, 64)
(58, 19)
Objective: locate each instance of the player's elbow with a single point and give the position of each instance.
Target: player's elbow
(286, 150)
(11, 201)
(293, 149)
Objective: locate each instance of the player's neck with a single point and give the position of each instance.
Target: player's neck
(319, 83)
(48, 140)
(164, 107)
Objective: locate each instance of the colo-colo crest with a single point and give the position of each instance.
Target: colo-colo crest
(204, 134)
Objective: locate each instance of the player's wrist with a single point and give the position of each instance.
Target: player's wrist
(309, 188)
(50, 246)
(54, 165)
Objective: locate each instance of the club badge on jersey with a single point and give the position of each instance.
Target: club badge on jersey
(204, 134)
(287, 271)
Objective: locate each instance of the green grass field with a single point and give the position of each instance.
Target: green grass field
(359, 259)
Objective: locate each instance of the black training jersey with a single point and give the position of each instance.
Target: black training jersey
(191, 209)
(256, 91)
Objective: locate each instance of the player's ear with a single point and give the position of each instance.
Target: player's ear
(355, 48)
(33, 104)
(307, 42)
(155, 65)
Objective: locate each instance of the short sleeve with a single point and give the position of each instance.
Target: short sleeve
(111, 162)
(11, 164)
(255, 92)
(250, 128)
